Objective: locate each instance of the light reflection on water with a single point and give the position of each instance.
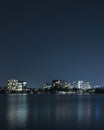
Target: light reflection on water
(17, 111)
(40, 112)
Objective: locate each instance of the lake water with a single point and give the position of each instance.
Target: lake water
(51, 112)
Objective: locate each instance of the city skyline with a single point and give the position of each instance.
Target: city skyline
(45, 40)
(78, 83)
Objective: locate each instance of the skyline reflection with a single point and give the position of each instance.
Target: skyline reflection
(17, 111)
(23, 112)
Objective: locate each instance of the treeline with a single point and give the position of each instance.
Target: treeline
(53, 90)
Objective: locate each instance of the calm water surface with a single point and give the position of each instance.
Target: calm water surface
(52, 112)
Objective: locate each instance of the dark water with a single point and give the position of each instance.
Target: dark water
(52, 112)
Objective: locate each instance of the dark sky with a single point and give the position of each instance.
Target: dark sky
(45, 40)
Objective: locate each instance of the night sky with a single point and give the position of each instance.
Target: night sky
(45, 40)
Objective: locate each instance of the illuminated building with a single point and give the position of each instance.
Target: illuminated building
(82, 85)
(58, 83)
(47, 85)
(16, 85)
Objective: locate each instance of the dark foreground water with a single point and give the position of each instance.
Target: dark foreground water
(52, 112)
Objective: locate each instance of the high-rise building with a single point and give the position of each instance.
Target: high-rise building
(82, 85)
(58, 83)
(16, 85)
(22, 85)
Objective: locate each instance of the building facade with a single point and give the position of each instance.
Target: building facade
(82, 85)
(16, 85)
(58, 83)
